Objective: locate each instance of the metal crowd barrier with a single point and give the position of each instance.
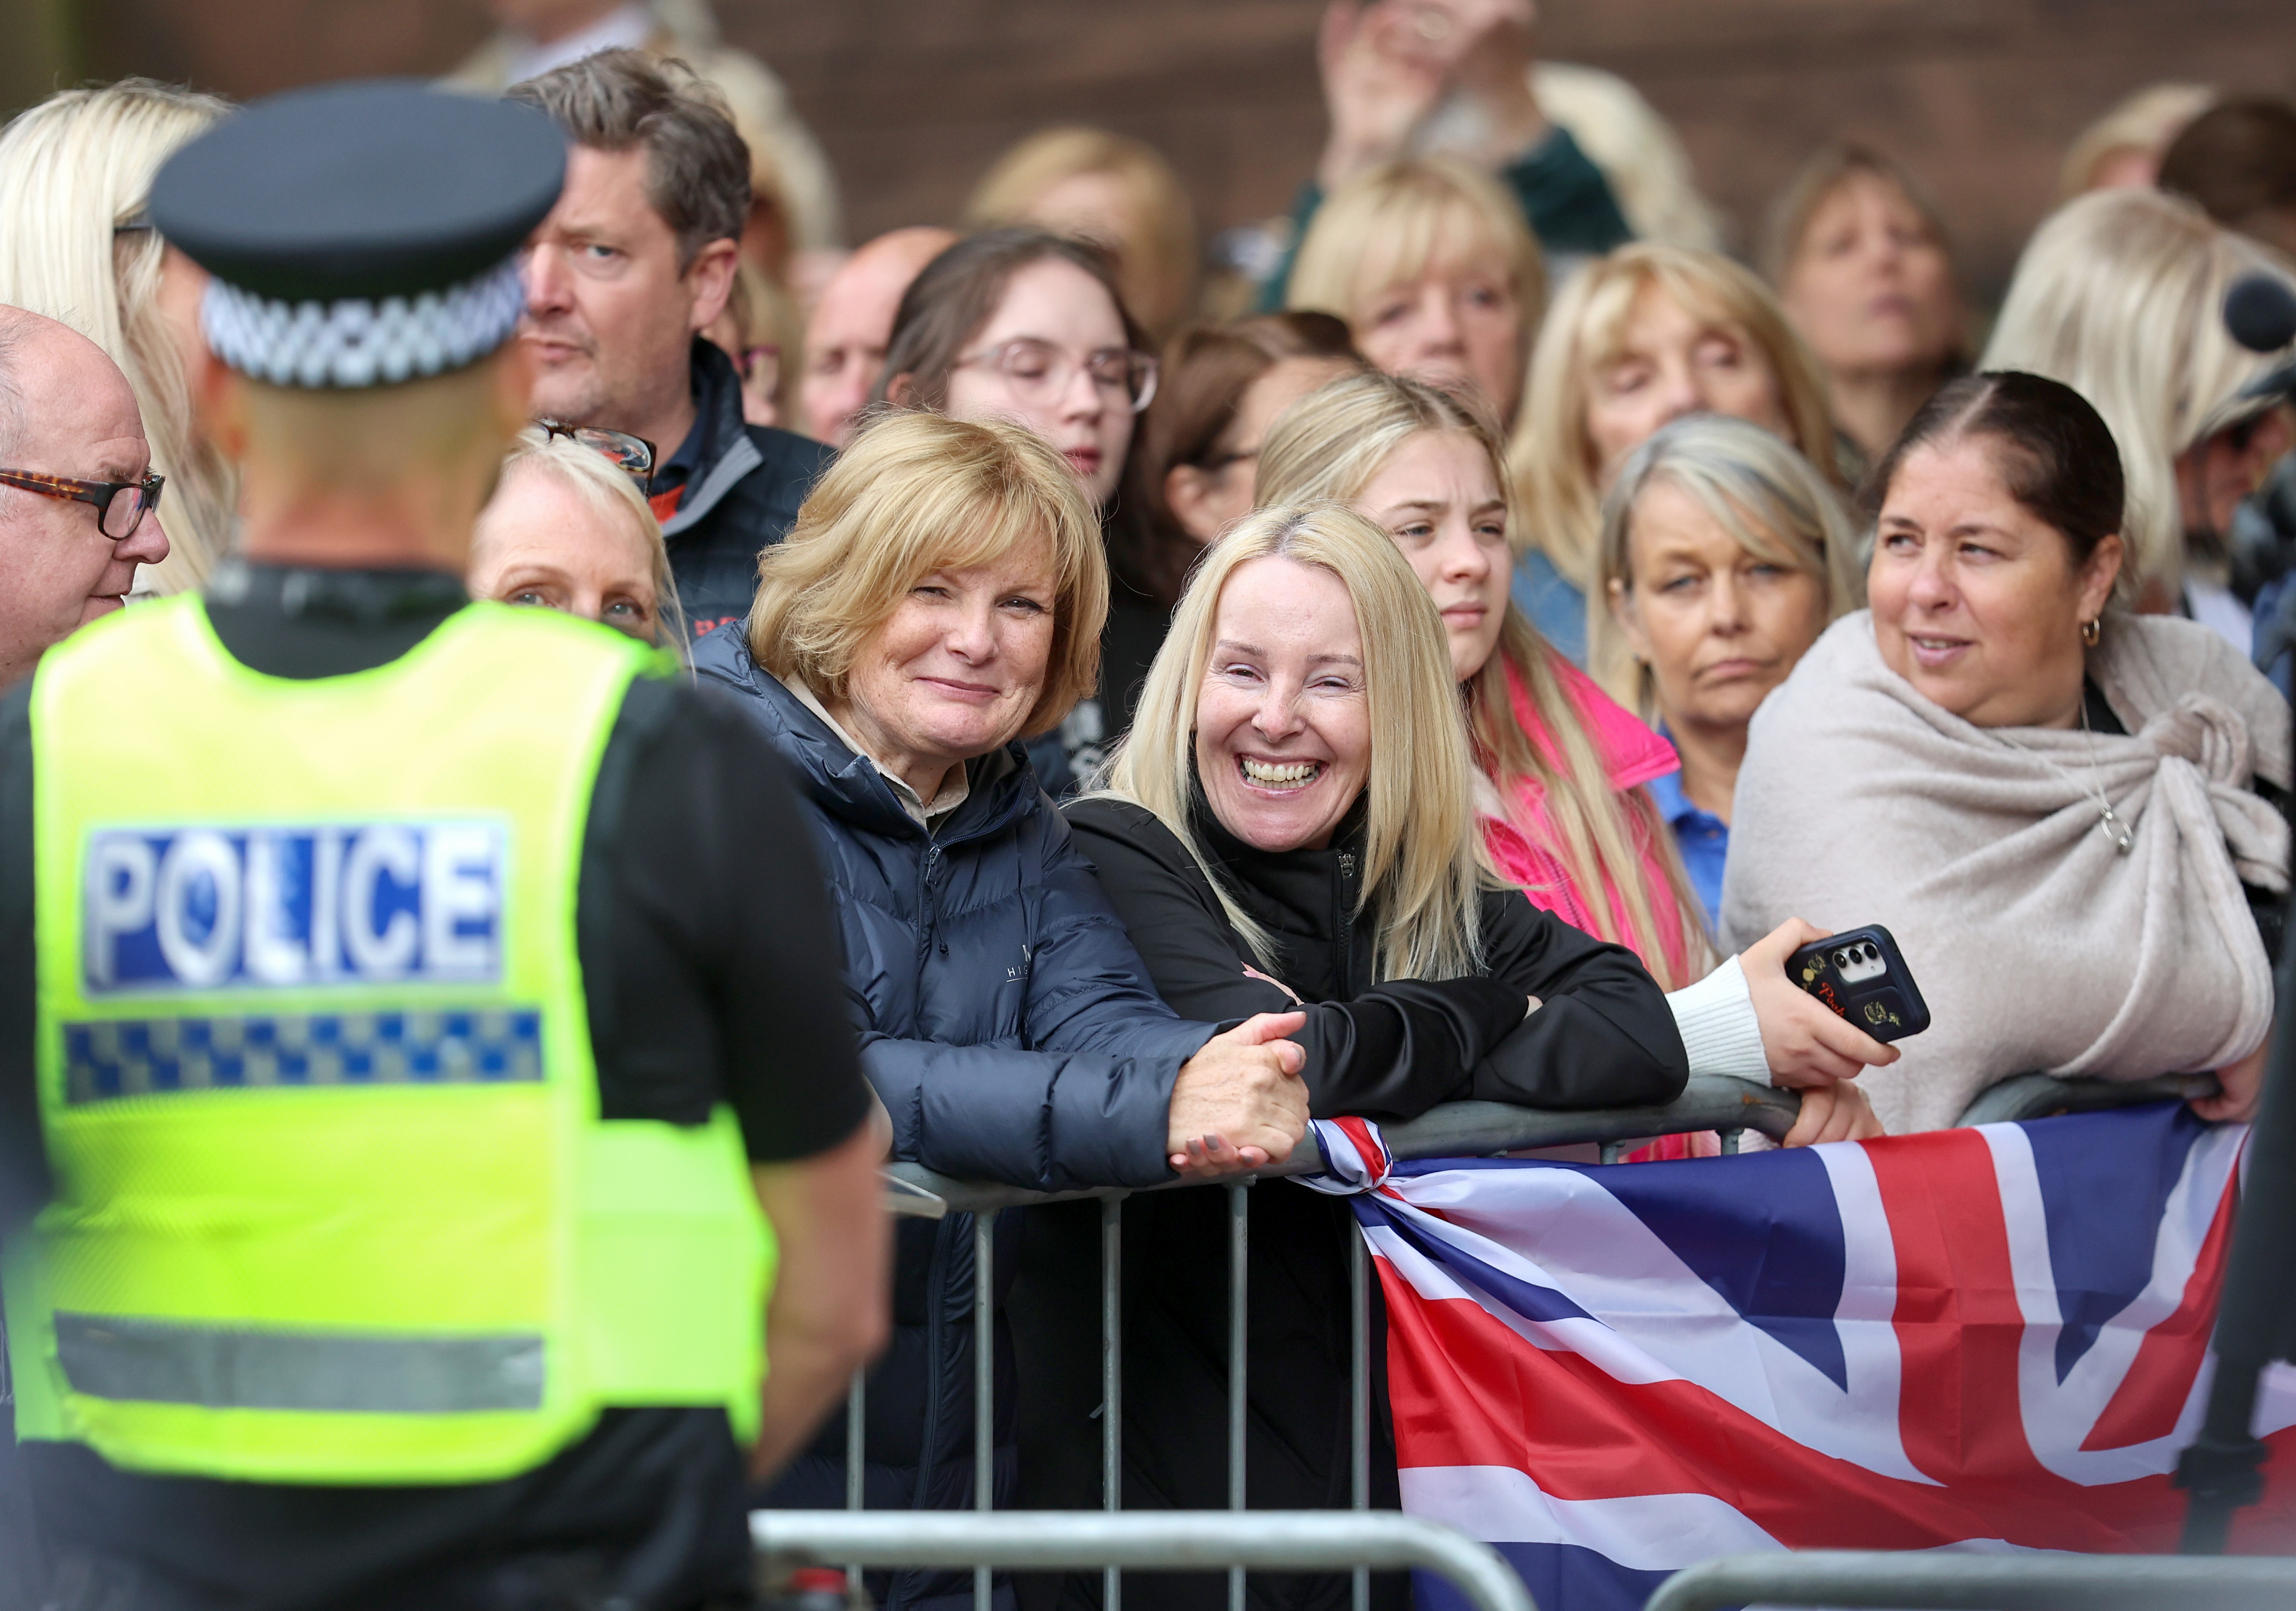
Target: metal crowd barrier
(2040, 1096)
(1926, 1581)
(1168, 1541)
(1361, 1538)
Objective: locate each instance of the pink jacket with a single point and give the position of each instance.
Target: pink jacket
(1521, 844)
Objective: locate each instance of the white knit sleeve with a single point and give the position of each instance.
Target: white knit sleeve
(1716, 1018)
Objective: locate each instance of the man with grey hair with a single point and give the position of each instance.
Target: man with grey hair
(76, 491)
(635, 262)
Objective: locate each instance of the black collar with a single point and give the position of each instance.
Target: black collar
(310, 621)
(365, 596)
(716, 389)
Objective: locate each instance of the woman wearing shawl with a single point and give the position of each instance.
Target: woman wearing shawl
(2064, 813)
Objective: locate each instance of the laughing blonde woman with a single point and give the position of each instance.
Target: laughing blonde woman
(1291, 822)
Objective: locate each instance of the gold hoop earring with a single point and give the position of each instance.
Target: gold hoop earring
(2092, 630)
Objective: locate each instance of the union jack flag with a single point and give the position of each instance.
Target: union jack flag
(1993, 1338)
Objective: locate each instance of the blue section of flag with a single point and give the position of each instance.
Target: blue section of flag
(1532, 1302)
(1565, 1575)
(2099, 1167)
(1765, 1232)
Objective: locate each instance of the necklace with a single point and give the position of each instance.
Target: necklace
(2108, 819)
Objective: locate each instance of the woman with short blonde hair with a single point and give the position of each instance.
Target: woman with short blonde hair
(569, 529)
(1393, 243)
(941, 594)
(917, 494)
(2119, 295)
(1639, 337)
(75, 171)
(1112, 190)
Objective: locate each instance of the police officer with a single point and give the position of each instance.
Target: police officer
(419, 998)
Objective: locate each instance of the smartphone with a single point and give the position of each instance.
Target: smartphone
(1859, 973)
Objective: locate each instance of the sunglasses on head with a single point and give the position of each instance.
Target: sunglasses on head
(632, 454)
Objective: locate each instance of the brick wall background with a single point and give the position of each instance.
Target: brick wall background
(912, 98)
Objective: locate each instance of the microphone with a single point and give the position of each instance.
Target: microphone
(2260, 313)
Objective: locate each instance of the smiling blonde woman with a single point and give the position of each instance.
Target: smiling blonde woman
(1291, 821)
(940, 596)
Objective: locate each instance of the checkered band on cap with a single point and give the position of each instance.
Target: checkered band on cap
(357, 342)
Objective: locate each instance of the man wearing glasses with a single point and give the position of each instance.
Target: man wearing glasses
(77, 497)
(634, 263)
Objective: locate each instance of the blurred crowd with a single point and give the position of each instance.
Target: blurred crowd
(1462, 645)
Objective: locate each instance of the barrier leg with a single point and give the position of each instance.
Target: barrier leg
(1359, 1392)
(1730, 1142)
(1239, 1286)
(857, 1452)
(1612, 1151)
(1111, 1381)
(984, 1384)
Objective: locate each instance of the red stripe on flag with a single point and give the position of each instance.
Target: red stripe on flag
(1958, 1320)
(2159, 1380)
(1466, 1391)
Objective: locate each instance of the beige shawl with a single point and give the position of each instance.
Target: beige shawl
(2036, 942)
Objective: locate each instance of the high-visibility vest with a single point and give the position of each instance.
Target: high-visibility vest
(334, 1202)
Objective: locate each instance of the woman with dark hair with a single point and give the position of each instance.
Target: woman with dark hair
(2052, 803)
(1221, 387)
(1018, 324)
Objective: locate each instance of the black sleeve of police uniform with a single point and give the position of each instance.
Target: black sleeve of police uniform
(711, 964)
(23, 1160)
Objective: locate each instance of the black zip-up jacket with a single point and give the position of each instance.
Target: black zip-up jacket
(1390, 1049)
(740, 490)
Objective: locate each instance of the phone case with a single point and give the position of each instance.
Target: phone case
(1861, 976)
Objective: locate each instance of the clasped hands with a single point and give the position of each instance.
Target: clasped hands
(1240, 1104)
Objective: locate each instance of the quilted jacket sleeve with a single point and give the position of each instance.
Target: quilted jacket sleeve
(1085, 1101)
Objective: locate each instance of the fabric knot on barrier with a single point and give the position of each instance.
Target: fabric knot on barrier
(1355, 1157)
(356, 342)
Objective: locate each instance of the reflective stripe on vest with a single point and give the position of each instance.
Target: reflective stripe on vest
(333, 1201)
(110, 1357)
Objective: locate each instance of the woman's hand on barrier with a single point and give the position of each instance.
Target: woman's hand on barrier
(1806, 1044)
(2240, 1088)
(1836, 1111)
(1240, 1104)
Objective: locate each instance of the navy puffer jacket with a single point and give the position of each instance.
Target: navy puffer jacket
(1006, 1022)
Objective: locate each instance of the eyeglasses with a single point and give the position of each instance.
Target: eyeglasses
(120, 506)
(1039, 373)
(632, 454)
(1220, 461)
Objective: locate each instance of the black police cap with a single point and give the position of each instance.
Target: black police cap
(361, 234)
